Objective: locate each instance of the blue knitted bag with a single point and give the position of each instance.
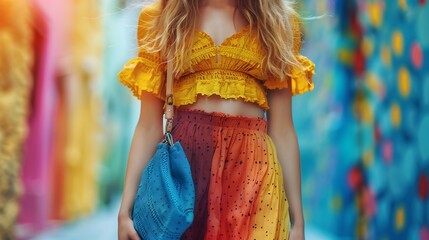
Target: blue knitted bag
(164, 203)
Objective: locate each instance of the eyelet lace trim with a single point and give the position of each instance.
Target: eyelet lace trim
(225, 83)
(301, 80)
(143, 74)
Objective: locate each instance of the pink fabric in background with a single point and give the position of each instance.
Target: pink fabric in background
(51, 24)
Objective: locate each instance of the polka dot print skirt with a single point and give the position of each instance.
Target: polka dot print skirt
(238, 179)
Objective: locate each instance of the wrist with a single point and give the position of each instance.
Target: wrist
(124, 213)
(298, 225)
(298, 221)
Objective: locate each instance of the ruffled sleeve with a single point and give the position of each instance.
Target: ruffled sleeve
(300, 80)
(145, 72)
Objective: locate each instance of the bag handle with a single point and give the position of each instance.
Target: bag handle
(169, 101)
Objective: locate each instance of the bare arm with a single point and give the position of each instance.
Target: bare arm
(147, 135)
(282, 131)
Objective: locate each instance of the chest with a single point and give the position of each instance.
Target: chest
(240, 52)
(220, 22)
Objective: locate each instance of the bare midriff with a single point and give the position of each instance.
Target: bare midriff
(237, 107)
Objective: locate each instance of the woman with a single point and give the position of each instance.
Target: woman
(234, 61)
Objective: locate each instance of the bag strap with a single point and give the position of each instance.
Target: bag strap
(169, 101)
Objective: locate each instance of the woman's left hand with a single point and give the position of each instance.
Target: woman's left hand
(296, 233)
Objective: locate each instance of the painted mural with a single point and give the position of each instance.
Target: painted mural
(370, 163)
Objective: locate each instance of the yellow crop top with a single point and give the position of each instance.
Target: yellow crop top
(230, 70)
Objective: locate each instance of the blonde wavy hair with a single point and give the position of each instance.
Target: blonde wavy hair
(273, 20)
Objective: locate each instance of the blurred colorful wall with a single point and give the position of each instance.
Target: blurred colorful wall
(365, 145)
(66, 123)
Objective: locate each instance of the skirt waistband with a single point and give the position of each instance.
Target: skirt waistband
(221, 119)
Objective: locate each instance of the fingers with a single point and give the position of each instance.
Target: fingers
(126, 230)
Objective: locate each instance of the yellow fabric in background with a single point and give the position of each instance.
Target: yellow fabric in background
(16, 60)
(83, 153)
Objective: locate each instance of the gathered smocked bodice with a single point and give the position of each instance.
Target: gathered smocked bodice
(230, 70)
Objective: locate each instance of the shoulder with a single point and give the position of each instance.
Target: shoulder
(147, 16)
